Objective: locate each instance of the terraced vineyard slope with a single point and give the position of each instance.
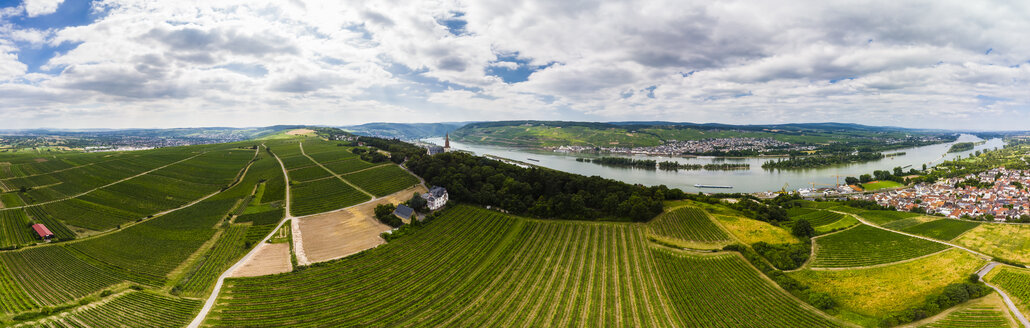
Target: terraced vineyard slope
(538, 273)
(689, 226)
(864, 245)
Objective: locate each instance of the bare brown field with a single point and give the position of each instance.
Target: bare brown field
(337, 234)
(269, 259)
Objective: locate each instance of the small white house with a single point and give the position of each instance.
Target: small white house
(435, 198)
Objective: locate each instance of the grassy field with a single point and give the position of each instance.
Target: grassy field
(881, 291)
(1007, 241)
(538, 273)
(864, 245)
(877, 185)
(944, 229)
(751, 231)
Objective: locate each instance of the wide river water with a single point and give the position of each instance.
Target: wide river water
(756, 179)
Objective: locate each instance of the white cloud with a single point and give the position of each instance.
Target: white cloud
(230, 62)
(35, 8)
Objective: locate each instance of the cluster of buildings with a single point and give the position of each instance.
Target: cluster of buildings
(1006, 199)
(435, 198)
(700, 147)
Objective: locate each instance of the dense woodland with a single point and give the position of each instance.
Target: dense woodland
(822, 160)
(539, 192)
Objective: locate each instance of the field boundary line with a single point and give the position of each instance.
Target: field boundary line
(1008, 301)
(803, 304)
(112, 183)
(985, 270)
(301, 146)
(210, 302)
(365, 169)
(882, 264)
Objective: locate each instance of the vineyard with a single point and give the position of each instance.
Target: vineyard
(322, 196)
(227, 250)
(972, 317)
(382, 181)
(884, 217)
(944, 229)
(14, 229)
(688, 224)
(1015, 282)
(728, 294)
(12, 298)
(136, 309)
(820, 218)
(540, 273)
(864, 245)
(52, 275)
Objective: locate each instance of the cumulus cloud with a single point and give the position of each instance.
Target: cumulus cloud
(35, 8)
(951, 64)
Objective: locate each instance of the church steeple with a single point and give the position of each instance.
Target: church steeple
(447, 141)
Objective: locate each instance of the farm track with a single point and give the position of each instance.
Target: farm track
(1008, 301)
(221, 279)
(110, 184)
(301, 146)
(239, 178)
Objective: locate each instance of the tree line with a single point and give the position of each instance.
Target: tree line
(540, 192)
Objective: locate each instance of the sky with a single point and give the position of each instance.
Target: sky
(188, 63)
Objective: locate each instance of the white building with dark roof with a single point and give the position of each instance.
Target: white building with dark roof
(435, 198)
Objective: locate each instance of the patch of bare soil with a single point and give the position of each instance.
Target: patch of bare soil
(269, 259)
(337, 234)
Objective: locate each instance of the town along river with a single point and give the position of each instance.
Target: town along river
(755, 179)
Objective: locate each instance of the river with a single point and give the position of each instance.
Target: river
(755, 179)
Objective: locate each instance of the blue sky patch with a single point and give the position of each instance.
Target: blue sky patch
(455, 24)
(69, 13)
(519, 74)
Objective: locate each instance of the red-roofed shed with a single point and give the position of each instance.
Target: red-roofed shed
(42, 231)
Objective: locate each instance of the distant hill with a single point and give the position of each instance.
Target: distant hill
(653, 133)
(406, 131)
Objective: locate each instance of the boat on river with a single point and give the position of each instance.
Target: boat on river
(712, 186)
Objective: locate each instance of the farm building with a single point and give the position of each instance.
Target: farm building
(42, 231)
(403, 211)
(435, 198)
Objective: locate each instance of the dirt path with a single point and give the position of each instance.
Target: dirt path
(301, 146)
(112, 183)
(1008, 301)
(221, 279)
(982, 272)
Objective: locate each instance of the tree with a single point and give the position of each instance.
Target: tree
(417, 202)
(865, 178)
(851, 180)
(802, 229)
(823, 301)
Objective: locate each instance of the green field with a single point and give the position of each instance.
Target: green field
(229, 248)
(884, 217)
(818, 218)
(884, 290)
(323, 196)
(689, 225)
(1008, 241)
(1015, 282)
(382, 181)
(944, 229)
(540, 273)
(877, 185)
(864, 245)
(136, 309)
